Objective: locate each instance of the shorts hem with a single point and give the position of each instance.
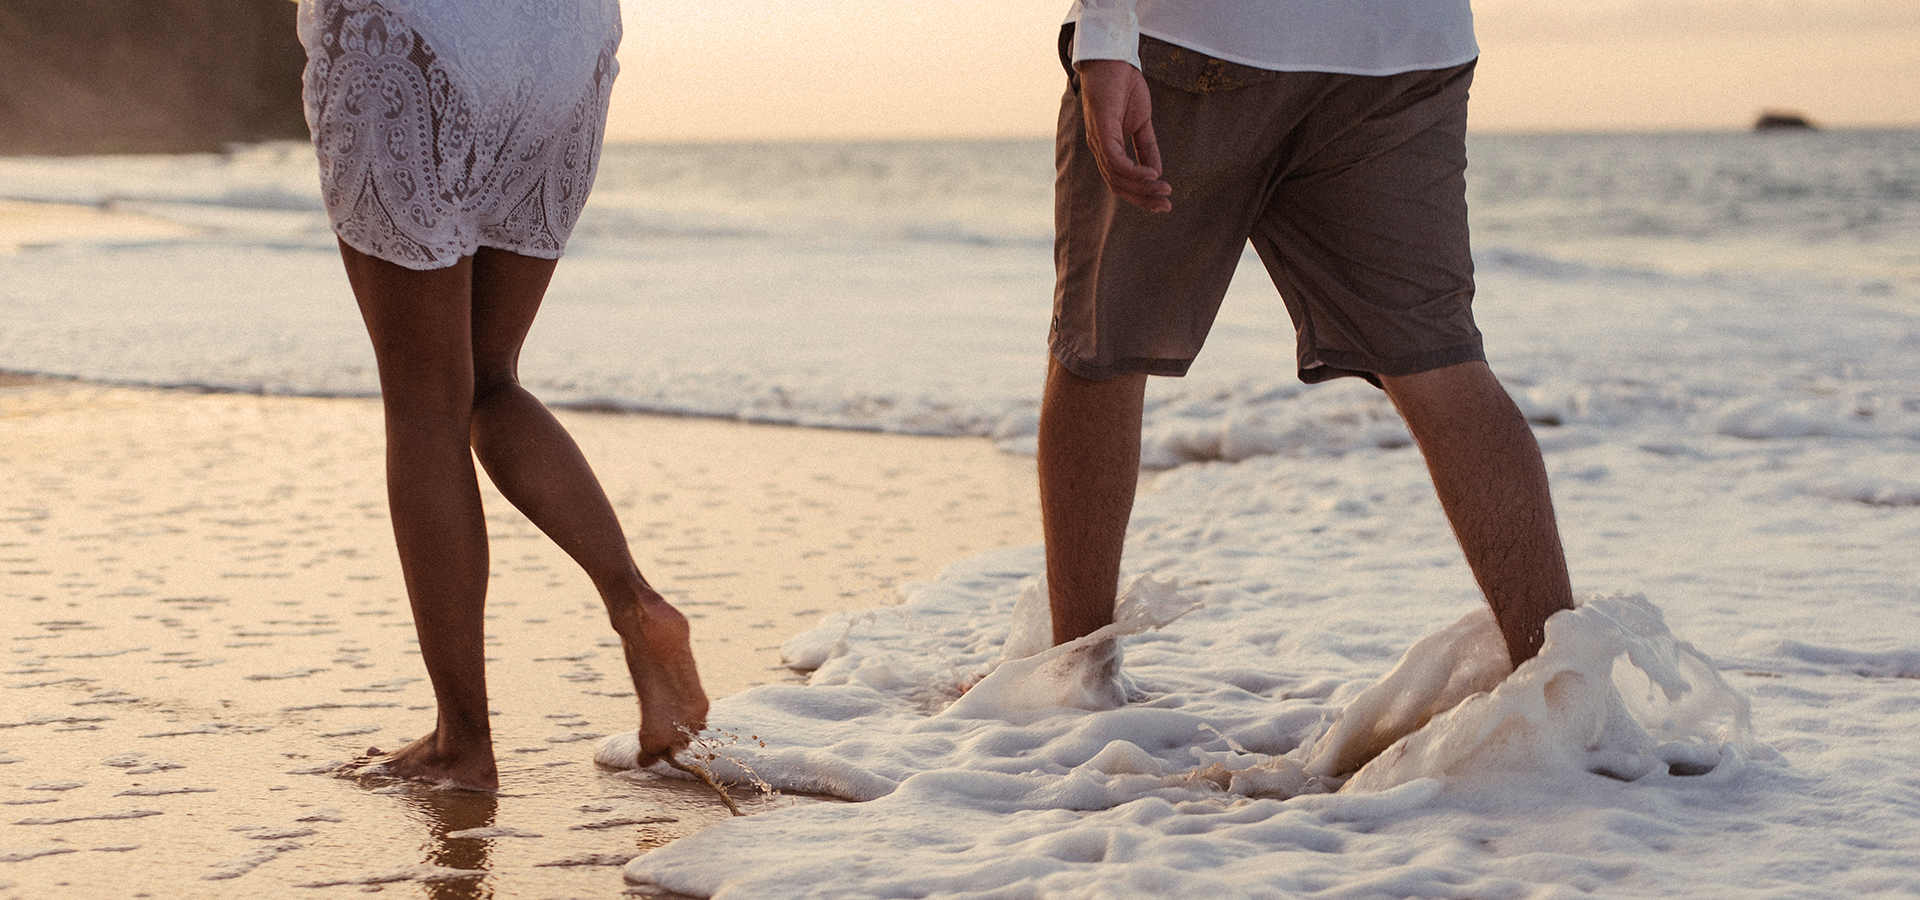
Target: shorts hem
(1340, 365)
(1171, 368)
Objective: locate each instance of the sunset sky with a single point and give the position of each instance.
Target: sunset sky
(808, 69)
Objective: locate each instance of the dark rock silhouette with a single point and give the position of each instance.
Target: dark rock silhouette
(147, 76)
(1780, 120)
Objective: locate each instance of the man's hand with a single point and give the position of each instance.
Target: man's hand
(1114, 100)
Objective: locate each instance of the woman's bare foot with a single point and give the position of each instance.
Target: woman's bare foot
(426, 760)
(659, 651)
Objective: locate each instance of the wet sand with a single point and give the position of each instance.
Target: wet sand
(24, 224)
(203, 610)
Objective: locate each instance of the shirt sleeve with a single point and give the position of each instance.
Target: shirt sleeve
(1107, 29)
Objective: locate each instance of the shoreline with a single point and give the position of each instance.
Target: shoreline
(990, 501)
(12, 379)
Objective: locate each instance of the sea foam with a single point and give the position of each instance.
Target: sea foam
(1613, 696)
(1612, 693)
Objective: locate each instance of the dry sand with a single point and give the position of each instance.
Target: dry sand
(203, 609)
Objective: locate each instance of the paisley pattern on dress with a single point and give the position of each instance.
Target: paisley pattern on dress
(446, 125)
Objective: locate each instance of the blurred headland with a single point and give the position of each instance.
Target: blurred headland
(147, 76)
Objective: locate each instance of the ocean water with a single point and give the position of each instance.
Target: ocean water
(1717, 337)
(903, 287)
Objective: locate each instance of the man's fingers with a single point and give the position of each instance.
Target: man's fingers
(1146, 149)
(1137, 184)
(1117, 166)
(1146, 189)
(1147, 201)
(1119, 112)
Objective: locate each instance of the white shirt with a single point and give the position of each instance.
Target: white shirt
(1356, 37)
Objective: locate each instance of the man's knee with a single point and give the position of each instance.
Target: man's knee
(1462, 385)
(1458, 406)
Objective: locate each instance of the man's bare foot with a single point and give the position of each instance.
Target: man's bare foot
(426, 760)
(659, 651)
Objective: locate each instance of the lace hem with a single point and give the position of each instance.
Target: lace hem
(425, 156)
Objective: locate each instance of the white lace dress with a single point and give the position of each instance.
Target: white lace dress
(446, 125)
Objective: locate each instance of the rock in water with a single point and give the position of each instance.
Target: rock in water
(1774, 120)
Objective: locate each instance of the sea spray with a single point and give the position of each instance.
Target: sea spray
(1084, 673)
(1466, 658)
(1612, 693)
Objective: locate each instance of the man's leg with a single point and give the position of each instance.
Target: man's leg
(1089, 463)
(1492, 484)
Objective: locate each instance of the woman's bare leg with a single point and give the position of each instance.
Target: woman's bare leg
(536, 464)
(420, 323)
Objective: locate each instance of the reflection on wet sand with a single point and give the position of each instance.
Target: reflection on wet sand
(459, 838)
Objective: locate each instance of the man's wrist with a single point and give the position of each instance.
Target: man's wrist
(1107, 31)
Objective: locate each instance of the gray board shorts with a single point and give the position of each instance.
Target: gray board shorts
(1352, 189)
